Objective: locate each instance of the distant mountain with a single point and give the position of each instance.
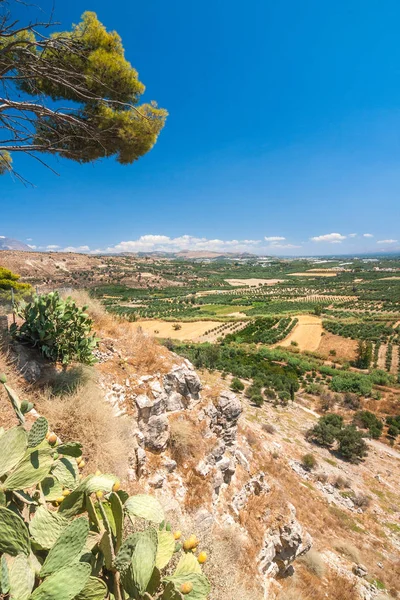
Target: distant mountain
(7, 243)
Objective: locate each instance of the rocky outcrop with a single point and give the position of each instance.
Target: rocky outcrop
(177, 390)
(283, 545)
(224, 417)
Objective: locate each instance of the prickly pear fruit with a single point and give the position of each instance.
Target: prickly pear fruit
(59, 499)
(190, 543)
(116, 486)
(202, 558)
(3, 378)
(97, 472)
(66, 492)
(177, 535)
(81, 464)
(186, 588)
(99, 494)
(51, 438)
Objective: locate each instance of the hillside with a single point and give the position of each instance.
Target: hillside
(7, 243)
(222, 467)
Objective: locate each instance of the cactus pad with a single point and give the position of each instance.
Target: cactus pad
(14, 537)
(144, 558)
(165, 548)
(4, 576)
(201, 586)
(73, 505)
(46, 527)
(16, 404)
(95, 483)
(13, 444)
(66, 472)
(95, 589)
(52, 489)
(34, 467)
(145, 507)
(64, 584)
(70, 449)
(38, 432)
(67, 548)
(118, 517)
(188, 563)
(124, 556)
(21, 578)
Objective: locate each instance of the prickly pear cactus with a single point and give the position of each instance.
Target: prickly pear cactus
(13, 445)
(46, 527)
(30, 471)
(14, 537)
(52, 553)
(145, 507)
(64, 584)
(38, 432)
(21, 578)
(68, 546)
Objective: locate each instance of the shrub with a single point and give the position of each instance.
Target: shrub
(237, 385)
(325, 431)
(367, 420)
(58, 328)
(268, 428)
(352, 445)
(309, 462)
(50, 553)
(257, 399)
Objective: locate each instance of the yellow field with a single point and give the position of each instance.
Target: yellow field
(307, 333)
(252, 282)
(188, 331)
(313, 274)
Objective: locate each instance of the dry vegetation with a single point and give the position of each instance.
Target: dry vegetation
(84, 415)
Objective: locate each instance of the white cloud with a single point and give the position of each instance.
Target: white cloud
(352, 235)
(274, 238)
(76, 249)
(331, 238)
(52, 247)
(2, 237)
(32, 247)
(276, 245)
(28, 239)
(368, 235)
(164, 243)
(387, 242)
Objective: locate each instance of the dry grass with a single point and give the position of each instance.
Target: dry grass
(143, 352)
(84, 415)
(186, 442)
(308, 586)
(313, 562)
(347, 549)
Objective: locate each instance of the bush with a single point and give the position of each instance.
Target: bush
(50, 551)
(58, 328)
(367, 420)
(352, 445)
(309, 462)
(257, 399)
(237, 385)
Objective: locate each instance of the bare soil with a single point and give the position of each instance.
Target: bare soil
(307, 333)
(344, 347)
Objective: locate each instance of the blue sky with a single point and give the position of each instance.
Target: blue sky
(284, 123)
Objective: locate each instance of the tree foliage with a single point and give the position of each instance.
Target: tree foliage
(72, 94)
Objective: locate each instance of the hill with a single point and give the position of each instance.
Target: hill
(7, 243)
